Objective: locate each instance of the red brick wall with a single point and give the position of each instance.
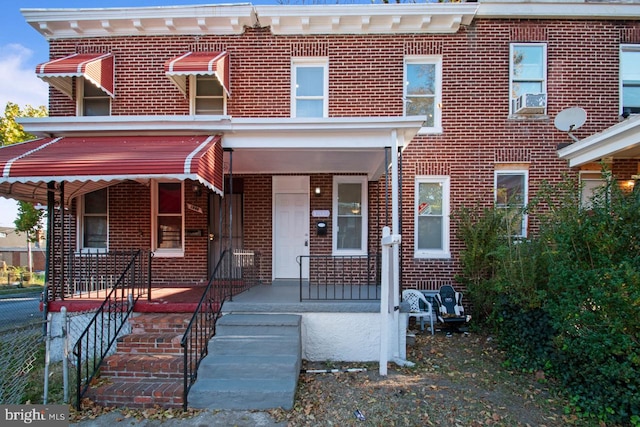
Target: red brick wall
(366, 79)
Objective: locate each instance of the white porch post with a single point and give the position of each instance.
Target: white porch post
(389, 316)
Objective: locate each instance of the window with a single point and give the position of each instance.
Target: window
(423, 90)
(511, 195)
(95, 102)
(630, 79)
(432, 217)
(93, 227)
(528, 78)
(207, 95)
(309, 87)
(350, 215)
(168, 221)
(592, 184)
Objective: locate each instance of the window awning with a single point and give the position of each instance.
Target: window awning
(198, 63)
(95, 67)
(87, 163)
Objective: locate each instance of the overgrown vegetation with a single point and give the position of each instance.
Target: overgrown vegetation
(565, 302)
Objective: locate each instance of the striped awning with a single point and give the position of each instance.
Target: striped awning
(95, 67)
(87, 163)
(198, 63)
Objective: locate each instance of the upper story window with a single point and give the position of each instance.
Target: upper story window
(168, 235)
(350, 215)
(511, 193)
(207, 95)
(423, 90)
(630, 79)
(92, 99)
(309, 87)
(431, 239)
(93, 220)
(528, 78)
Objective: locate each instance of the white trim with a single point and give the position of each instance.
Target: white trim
(192, 93)
(445, 251)
(364, 214)
(525, 202)
(543, 80)
(310, 62)
(437, 107)
(625, 48)
(166, 252)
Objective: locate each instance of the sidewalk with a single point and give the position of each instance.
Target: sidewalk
(204, 419)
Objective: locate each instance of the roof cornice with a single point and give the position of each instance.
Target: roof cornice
(565, 9)
(224, 19)
(367, 19)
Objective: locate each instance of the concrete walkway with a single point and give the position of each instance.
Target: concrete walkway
(204, 419)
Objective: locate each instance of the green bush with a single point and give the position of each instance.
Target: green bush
(567, 300)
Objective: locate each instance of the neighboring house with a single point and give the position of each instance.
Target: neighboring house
(296, 133)
(14, 250)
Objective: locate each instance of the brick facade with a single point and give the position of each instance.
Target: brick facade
(366, 80)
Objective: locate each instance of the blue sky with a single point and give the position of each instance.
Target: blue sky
(22, 48)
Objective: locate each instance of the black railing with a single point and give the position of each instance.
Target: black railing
(92, 275)
(232, 275)
(95, 342)
(345, 277)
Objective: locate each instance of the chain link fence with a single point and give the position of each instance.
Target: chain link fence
(19, 349)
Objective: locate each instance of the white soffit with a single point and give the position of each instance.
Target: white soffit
(565, 9)
(220, 19)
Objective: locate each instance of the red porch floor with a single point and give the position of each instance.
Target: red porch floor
(164, 299)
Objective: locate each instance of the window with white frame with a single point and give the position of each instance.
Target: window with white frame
(432, 217)
(207, 95)
(309, 87)
(528, 78)
(423, 90)
(93, 220)
(630, 79)
(511, 194)
(93, 100)
(592, 184)
(168, 218)
(350, 215)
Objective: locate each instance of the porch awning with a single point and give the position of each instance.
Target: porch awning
(87, 163)
(95, 67)
(198, 63)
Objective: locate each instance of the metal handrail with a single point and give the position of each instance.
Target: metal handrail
(231, 276)
(340, 277)
(103, 329)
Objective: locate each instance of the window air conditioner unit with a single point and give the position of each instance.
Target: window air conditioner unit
(530, 103)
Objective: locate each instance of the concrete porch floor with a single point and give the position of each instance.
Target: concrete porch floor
(283, 296)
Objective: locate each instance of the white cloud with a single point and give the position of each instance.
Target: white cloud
(18, 81)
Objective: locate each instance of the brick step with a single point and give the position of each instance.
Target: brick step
(150, 343)
(150, 365)
(138, 393)
(170, 323)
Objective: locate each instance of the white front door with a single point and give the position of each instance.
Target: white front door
(291, 233)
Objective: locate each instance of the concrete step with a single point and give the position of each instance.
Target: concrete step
(253, 364)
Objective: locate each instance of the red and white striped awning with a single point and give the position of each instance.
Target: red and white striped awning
(87, 163)
(95, 67)
(198, 63)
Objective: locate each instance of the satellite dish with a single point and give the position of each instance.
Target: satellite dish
(570, 119)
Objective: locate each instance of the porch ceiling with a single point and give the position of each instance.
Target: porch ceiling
(306, 161)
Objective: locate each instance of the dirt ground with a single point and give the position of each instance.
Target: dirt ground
(456, 381)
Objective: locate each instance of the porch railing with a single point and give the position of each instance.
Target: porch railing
(95, 342)
(233, 274)
(92, 275)
(345, 277)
